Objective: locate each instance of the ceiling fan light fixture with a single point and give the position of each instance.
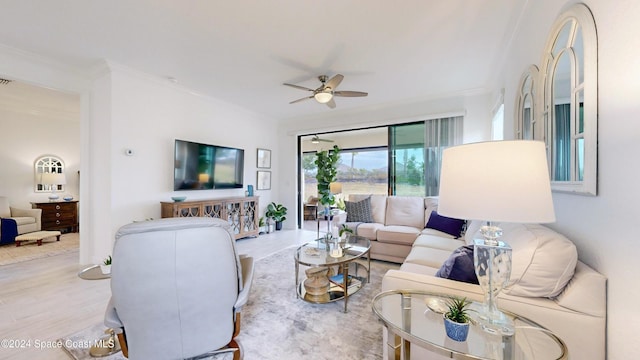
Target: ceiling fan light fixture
(315, 140)
(323, 97)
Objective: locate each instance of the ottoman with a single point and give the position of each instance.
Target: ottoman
(37, 236)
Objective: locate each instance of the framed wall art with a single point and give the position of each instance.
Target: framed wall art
(264, 159)
(264, 180)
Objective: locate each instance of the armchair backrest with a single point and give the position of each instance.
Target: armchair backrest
(5, 211)
(174, 283)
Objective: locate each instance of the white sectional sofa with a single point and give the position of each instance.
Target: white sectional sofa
(548, 285)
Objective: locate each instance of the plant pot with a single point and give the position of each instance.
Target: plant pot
(278, 225)
(106, 269)
(456, 331)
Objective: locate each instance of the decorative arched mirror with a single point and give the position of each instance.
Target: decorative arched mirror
(53, 165)
(526, 105)
(570, 101)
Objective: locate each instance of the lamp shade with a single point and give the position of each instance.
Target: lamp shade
(323, 97)
(53, 179)
(335, 188)
(499, 181)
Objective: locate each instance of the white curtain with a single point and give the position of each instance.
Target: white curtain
(439, 135)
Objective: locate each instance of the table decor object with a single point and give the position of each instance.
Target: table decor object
(509, 183)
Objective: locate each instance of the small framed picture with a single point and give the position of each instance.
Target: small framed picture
(264, 159)
(264, 180)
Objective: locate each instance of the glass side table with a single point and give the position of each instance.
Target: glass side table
(354, 265)
(415, 317)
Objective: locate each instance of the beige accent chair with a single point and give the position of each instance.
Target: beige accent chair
(177, 288)
(28, 220)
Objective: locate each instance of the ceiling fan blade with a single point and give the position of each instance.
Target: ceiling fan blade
(334, 82)
(331, 103)
(302, 99)
(350, 93)
(298, 87)
(325, 140)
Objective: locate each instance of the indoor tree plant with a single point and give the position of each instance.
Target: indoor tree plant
(456, 318)
(326, 162)
(277, 212)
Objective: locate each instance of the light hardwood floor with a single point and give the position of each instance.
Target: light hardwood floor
(43, 300)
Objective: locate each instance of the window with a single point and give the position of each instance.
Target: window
(415, 151)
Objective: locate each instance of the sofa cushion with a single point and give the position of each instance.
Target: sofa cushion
(368, 230)
(459, 266)
(359, 211)
(404, 235)
(406, 211)
(473, 231)
(543, 261)
(430, 205)
(418, 269)
(445, 224)
(378, 205)
(427, 257)
(24, 220)
(438, 242)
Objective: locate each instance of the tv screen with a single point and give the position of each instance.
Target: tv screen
(205, 167)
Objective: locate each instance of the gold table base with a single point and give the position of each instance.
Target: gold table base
(106, 346)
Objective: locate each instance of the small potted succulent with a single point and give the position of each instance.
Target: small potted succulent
(105, 267)
(456, 319)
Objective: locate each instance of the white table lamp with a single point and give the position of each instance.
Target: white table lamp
(53, 180)
(497, 181)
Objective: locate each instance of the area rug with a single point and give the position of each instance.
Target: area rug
(278, 325)
(11, 254)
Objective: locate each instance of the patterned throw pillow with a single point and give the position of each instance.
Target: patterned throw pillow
(359, 211)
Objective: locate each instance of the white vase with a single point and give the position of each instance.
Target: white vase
(106, 269)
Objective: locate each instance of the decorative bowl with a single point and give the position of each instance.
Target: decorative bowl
(178, 198)
(67, 198)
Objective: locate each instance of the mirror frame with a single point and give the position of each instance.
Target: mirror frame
(582, 17)
(532, 74)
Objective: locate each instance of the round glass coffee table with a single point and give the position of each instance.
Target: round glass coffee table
(324, 274)
(415, 317)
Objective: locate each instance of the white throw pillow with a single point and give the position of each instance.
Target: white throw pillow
(543, 261)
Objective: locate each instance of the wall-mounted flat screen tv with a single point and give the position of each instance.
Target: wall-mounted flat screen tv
(205, 167)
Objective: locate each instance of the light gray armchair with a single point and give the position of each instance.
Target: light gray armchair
(24, 220)
(177, 288)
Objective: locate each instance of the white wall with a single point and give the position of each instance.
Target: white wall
(147, 114)
(26, 137)
(602, 227)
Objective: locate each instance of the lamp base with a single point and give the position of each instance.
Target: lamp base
(492, 261)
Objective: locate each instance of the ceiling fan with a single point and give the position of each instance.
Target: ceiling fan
(325, 93)
(316, 139)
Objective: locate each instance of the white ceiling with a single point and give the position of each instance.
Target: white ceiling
(242, 51)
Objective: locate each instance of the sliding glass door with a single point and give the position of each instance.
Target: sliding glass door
(415, 154)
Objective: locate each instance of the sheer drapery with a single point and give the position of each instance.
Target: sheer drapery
(439, 134)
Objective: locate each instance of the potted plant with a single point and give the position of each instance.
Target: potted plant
(456, 319)
(344, 230)
(262, 225)
(105, 267)
(326, 162)
(277, 212)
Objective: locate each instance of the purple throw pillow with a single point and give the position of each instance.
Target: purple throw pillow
(459, 266)
(445, 224)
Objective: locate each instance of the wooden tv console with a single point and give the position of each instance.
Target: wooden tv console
(242, 213)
